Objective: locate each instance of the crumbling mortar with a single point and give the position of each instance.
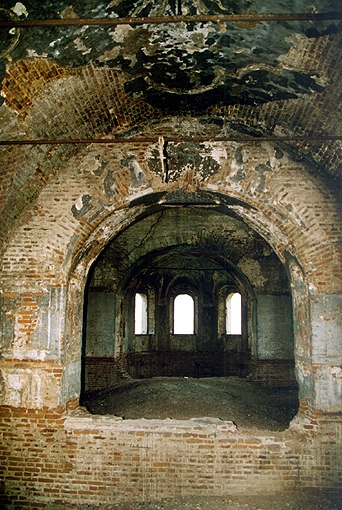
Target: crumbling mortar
(149, 234)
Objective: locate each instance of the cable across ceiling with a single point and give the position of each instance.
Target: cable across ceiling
(195, 139)
(14, 22)
(199, 18)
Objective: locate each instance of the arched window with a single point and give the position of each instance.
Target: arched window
(183, 315)
(140, 314)
(233, 314)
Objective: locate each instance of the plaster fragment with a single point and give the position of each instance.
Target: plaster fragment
(81, 206)
(14, 386)
(80, 46)
(33, 354)
(109, 184)
(120, 32)
(312, 288)
(20, 10)
(31, 53)
(56, 41)
(111, 54)
(137, 174)
(68, 12)
(337, 372)
(216, 150)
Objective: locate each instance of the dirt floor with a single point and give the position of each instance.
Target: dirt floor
(281, 502)
(269, 502)
(245, 403)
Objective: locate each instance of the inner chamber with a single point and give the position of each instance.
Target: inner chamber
(189, 295)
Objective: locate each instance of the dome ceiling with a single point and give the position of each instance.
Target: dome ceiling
(197, 63)
(187, 72)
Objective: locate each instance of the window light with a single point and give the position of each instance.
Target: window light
(184, 314)
(140, 314)
(233, 314)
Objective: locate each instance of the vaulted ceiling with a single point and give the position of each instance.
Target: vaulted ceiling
(183, 70)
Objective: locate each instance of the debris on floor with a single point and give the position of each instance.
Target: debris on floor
(241, 401)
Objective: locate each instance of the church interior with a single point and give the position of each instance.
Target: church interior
(170, 233)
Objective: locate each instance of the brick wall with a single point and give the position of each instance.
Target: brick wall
(102, 373)
(273, 372)
(277, 188)
(191, 364)
(49, 458)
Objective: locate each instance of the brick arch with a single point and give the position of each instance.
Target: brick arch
(43, 308)
(292, 209)
(303, 334)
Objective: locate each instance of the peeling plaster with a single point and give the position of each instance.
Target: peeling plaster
(328, 388)
(20, 10)
(121, 32)
(82, 205)
(137, 174)
(28, 388)
(80, 46)
(186, 59)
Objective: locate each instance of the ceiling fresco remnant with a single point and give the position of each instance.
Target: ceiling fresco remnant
(238, 62)
(185, 84)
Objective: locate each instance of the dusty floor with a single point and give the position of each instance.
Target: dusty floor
(228, 398)
(283, 502)
(274, 502)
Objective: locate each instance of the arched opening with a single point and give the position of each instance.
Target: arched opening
(233, 314)
(219, 309)
(183, 315)
(140, 314)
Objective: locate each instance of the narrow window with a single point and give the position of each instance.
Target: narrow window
(140, 314)
(233, 314)
(183, 315)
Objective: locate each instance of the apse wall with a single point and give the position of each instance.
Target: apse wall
(201, 250)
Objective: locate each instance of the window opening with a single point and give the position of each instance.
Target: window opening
(140, 314)
(183, 315)
(233, 314)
